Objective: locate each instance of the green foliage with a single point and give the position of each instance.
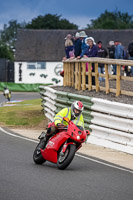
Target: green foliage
(8, 38)
(5, 52)
(50, 21)
(112, 20)
(107, 20)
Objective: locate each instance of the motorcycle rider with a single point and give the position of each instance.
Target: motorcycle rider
(73, 113)
(7, 92)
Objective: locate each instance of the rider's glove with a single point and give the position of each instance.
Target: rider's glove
(61, 126)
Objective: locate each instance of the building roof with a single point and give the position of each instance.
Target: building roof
(48, 45)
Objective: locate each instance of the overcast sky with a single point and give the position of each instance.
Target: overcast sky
(79, 12)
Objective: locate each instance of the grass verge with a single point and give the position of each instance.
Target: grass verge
(25, 114)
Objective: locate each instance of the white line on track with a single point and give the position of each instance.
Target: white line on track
(18, 136)
(97, 161)
(106, 164)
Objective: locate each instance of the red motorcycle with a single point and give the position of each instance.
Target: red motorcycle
(62, 147)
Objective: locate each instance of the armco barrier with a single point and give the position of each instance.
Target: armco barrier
(110, 123)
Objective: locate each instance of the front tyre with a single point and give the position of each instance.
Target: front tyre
(65, 159)
(9, 97)
(37, 156)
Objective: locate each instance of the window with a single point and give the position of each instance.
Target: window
(36, 65)
(31, 66)
(41, 65)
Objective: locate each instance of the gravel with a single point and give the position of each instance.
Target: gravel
(125, 85)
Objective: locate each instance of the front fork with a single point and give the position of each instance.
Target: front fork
(66, 144)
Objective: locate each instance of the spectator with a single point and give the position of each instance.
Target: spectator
(82, 36)
(118, 50)
(77, 45)
(111, 52)
(69, 46)
(111, 49)
(91, 51)
(130, 51)
(102, 53)
(118, 53)
(126, 57)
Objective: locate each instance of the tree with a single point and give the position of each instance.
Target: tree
(5, 52)
(112, 20)
(50, 21)
(8, 38)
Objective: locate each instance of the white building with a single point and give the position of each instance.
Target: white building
(38, 72)
(38, 56)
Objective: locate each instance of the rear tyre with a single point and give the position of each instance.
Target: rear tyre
(65, 159)
(37, 156)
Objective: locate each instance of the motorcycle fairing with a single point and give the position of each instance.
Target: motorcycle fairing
(50, 153)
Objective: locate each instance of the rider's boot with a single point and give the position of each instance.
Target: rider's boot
(44, 137)
(43, 140)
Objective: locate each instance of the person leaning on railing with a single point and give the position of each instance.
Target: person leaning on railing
(111, 53)
(102, 53)
(118, 54)
(77, 44)
(91, 51)
(130, 51)
(69, 46)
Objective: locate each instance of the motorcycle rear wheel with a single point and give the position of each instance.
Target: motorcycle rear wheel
(66, 159)
(37, 156)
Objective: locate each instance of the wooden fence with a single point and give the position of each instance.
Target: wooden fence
(75, 74)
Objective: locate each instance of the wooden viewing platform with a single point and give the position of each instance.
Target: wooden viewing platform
(75, 74)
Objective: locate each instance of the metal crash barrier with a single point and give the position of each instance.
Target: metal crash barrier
(110, 123)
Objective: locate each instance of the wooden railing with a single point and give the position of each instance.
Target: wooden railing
(75, 75)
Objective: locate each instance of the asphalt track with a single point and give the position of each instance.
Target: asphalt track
(84, 179)
(20, 96)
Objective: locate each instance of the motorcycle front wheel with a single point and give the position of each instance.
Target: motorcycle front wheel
(9, 97)
(65, 159)
(37, 156)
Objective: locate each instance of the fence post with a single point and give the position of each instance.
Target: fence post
(79, 76)
(90, 76)
(65, 74)
(69, 75)
(76, 75)
(67, 71)
(118, 77)
(106, 79)
(96, 77)
(83, 76)
(72, 73)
